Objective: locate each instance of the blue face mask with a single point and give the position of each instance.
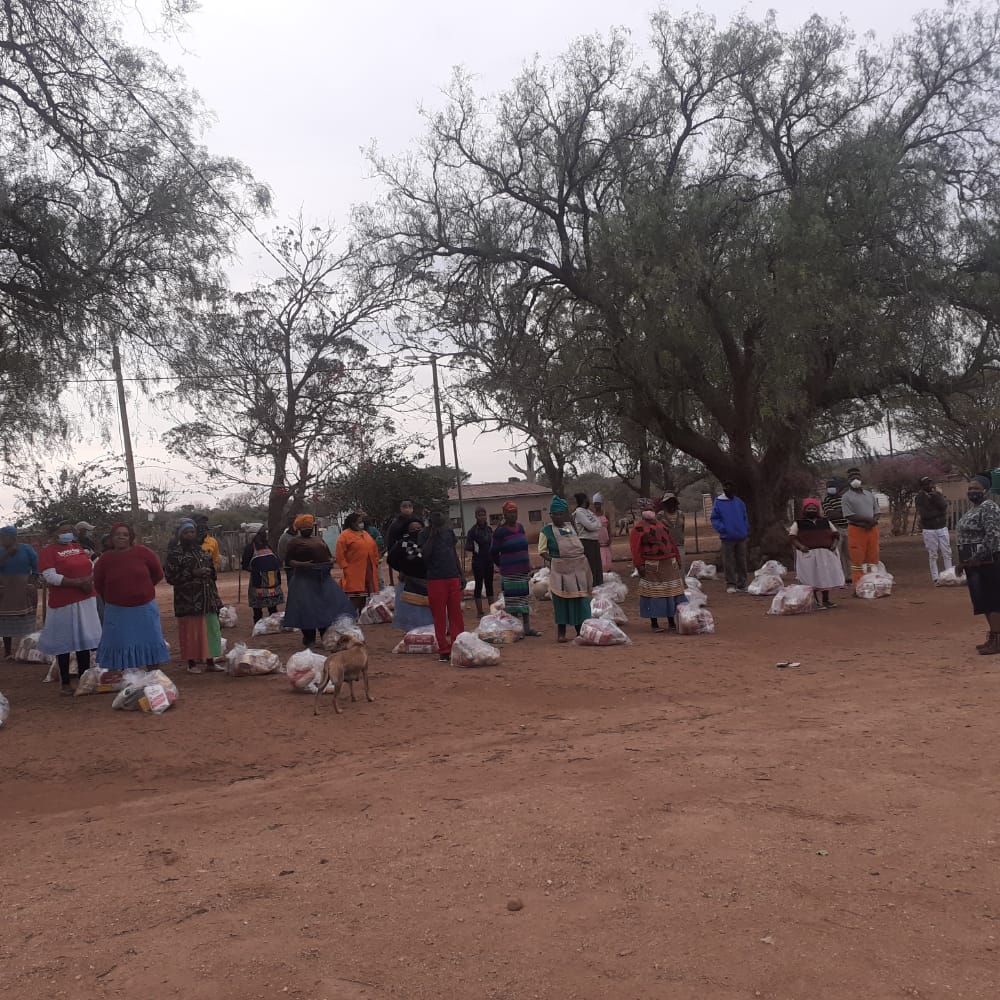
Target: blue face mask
(66, 536)
(831, 491)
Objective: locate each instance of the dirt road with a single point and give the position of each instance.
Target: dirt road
(675, 819)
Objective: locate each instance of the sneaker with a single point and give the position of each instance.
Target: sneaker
(731, 590)
(445, 657)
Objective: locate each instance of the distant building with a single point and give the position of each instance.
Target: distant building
(532, 504)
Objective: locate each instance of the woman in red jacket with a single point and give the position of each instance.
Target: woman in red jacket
(72, 624)
(126, 577)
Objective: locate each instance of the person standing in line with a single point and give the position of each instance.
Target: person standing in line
(729, 518)
(445, 581)
(126, 577)
(397, 527)
(264, 567)
(605, 537)
(833, 511)
(413, 606)
(510, 556)
(190, 571)
(72, 624)
(82, 530)
(18, 589)
(372, 528)
(588, 530)
(670, 514)
(817, 564)
(656, 559)
(357, 556)
(281, 550)
(570, 576)
(932, 506)
(479, 542)
(860, 508)
(978, 538)
(211, 545)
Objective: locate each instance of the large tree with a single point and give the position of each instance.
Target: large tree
(763, 229)
(277, 389)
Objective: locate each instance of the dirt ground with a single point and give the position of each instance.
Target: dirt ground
(677, 819)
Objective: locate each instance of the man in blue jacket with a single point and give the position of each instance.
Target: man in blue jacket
(729, 518)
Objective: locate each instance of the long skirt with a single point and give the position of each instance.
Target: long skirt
(71, 628)
(132, 637)
(265, 597)
(660, 607)
(409, 615)
(192, 634)
(315, 599)
(213, 631)
(570, 610)
(984, 588)
(661, 589)
(606, 557)
(819, 569)
(18, 606)
(516, 594)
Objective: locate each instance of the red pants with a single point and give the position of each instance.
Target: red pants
(445, 599)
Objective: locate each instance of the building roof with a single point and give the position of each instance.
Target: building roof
(498, 491)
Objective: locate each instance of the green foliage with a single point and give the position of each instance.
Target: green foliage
(90, 493)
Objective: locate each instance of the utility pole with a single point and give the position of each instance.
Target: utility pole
(458, 482)
(437, 411)
(888, 424)
(133, 486)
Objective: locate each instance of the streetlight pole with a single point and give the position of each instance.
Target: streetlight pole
(437, 412)
(458, 482)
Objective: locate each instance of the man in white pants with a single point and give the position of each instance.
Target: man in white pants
(932, 506)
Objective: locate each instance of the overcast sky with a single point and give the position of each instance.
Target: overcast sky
(300, 88)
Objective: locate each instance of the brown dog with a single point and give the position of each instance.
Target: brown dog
(348, 662)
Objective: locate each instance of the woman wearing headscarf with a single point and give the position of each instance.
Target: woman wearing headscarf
(190, 570)
(413, 608)
(357, 557)
(570, 576)
(18, 589)
(978, 535)
(655, 557)
(668, 510)
(597, 501)
(315, 601)
(264, 567)
(72, 624)
(817, 542)
(510, 554)
(126, 577)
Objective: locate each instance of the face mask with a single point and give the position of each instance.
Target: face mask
(66, 536)
(856, 484)
(976, 498)
(831, 491)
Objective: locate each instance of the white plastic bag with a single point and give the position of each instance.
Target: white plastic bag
(951, 578)
(344, 625)
(243, 662)
(602, 607)
(601, 632)
(540, 585)
(4, 710)
(701, 570)
(610, 576)
(271, 625)
(379, 609)
(541, 575)
(771, 568)
(148, 691)
(764, 584)
(614, 592)
(874, 585)
(694, 620)
(94, 680)
(468, 650)
(497, 606)
(418, 640)
(470, 589)
(692, 583)
(500, 628)
(794, 600)
(304, 669)
(27, 652)
(696, 598)
(228, 617)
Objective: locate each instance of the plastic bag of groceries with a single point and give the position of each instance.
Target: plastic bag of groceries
(228, 617)
(304, 669)
(874, 585)
(243, 662)
(498, 605)
(344, 625)
(271, 625)
(880, 568)
(610, 576)
(470, 589)
(4, 711)
(765, 584)
(501, 629)
(379, 609)
(147, 691)
(701, 570)
(692, 583)
(540, 585)
(94, 680)
(614, 592)
(27, 652)
(418, 640)
(696, 598)
(794, 600)
(601, 632)
(468, 650)
(694, 620)
(951, 578)
(602, 607)
(771, 568)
